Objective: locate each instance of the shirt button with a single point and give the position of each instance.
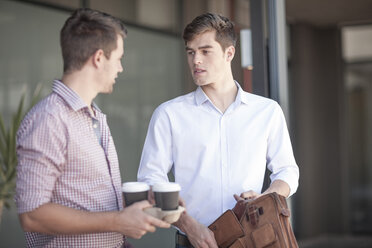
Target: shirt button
(94, 125)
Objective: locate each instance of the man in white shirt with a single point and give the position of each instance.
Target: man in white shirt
(217, 140)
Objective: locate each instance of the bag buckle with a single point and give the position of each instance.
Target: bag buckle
(253, 214)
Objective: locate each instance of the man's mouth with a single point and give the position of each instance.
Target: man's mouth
(198, 71)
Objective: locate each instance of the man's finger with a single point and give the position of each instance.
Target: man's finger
(138, 234)
(238, 198)
(249, 195)
(142, 204)
(151, 228)
(182, 202)
(159, 223)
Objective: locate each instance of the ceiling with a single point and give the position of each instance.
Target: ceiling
(329, 12)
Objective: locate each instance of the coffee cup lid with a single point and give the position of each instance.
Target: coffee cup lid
(135, 187)
(166, 187)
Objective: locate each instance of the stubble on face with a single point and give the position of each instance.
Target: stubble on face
(113, 66)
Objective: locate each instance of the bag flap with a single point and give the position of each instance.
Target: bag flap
(226, 229)
(263, 236)
(241, 205)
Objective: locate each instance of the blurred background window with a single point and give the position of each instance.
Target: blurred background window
(153, 73)
(357, 56)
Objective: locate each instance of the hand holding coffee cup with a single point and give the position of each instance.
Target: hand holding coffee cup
(134, 192)
(166, 195)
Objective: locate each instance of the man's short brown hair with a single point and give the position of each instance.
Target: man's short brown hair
(225, 33)
(85, 32)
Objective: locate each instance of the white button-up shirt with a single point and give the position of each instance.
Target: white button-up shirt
(214, 155)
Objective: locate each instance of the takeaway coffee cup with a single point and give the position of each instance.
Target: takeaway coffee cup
(166, 195)
(134, 192)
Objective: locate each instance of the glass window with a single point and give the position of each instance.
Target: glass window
(158, 14)
(62, 3)
(30, 54)
(357, 42)
(357, 54)
(124, 9)
(241, 10)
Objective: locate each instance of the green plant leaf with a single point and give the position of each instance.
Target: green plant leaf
(36, 95)
(18, 115)
(2, 127)
(2, 175)
(2, 138)
(6, 204)
(3, 149)
(12, 145)
(10, 148)
(10, 175)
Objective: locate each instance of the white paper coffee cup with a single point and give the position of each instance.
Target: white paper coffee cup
(134, 192)
(166, 195)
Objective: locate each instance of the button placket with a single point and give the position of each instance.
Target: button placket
(224, 162)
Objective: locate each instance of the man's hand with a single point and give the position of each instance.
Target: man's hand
(278, 186)
(248, 195)
(134, 222)
(199, 235)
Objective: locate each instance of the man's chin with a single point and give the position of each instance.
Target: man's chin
(108, 91)
(200, 83)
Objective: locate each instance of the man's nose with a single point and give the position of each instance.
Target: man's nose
(197, 60)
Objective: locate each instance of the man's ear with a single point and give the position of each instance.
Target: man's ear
(230, 52)
(97, 58)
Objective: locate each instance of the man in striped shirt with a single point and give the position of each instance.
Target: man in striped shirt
(68, 191)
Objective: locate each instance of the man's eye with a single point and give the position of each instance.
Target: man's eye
(190, 52)
(205, 52)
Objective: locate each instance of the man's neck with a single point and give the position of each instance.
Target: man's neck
(81, 84)
(222, 95)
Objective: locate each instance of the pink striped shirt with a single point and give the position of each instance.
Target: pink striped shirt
(60, 160)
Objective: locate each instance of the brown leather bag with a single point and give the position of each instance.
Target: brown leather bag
(226, 229)
(265, 222)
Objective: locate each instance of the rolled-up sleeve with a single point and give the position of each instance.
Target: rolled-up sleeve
(280, 158)
(41, 153)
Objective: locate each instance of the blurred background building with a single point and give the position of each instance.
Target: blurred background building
(313, 57)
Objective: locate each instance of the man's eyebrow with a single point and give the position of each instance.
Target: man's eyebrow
(204, 47)
(201, 47)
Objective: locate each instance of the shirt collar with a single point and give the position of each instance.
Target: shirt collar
(70, 96)
(201, 97)
(241, 97)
